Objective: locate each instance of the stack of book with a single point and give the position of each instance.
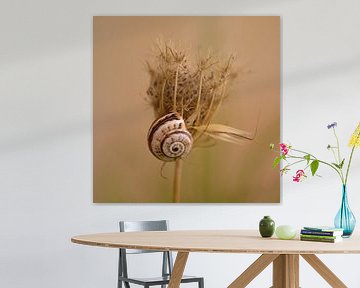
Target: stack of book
(321, 234)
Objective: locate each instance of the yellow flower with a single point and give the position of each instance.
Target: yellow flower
(355, 138)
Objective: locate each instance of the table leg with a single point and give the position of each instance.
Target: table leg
(286, 271)
(324, 271)
(253, 270)
(178, 269)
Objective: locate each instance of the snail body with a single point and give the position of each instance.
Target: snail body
(168, 139)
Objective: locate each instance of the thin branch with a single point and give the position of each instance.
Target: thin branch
(177, 181)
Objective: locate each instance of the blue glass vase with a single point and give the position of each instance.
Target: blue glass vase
(345, 219)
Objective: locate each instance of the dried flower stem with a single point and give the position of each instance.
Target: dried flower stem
(207, 117)
(198, 109)
(222, 95)
(161, 106)
(175, 86)
(177, 180)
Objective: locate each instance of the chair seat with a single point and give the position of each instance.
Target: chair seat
(158, 280)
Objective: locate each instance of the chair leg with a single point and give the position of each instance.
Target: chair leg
(201, 283)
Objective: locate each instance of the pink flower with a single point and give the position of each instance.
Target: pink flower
(284, 148)
(300, 174)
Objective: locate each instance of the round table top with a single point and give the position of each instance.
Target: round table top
(221, 241)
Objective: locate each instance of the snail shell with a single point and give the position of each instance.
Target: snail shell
(168, 138)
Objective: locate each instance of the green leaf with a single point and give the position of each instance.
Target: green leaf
(336, 165)
(307, 157)
(342, 163)
(339, 166)
(314, 166)
(276, 161)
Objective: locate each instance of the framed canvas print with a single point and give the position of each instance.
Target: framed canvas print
(184, 109)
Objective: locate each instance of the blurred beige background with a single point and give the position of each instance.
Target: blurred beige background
(124, 169)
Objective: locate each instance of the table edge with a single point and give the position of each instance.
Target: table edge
(205, 250)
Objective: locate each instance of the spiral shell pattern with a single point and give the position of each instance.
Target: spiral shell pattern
(168, 138)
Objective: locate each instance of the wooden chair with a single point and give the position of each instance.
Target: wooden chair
(167, 262)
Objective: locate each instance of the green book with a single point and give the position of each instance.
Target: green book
(324, 228)
(319, 236)
(325, 240)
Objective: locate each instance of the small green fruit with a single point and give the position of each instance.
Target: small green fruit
(285, 232)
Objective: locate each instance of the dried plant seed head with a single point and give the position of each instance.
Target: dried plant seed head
(193, 91)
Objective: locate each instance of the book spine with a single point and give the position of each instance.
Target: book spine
(320, 233)
(318, 239)
(319, 236)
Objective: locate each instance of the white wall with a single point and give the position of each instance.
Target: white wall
(46, 138)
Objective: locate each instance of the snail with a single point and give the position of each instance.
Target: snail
(168, 139)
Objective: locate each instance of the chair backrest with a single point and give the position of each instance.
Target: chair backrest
(134, 226)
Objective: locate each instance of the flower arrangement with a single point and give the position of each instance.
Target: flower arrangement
(310, 162)
(344, 218)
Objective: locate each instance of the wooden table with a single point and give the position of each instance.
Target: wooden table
(284, 254)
